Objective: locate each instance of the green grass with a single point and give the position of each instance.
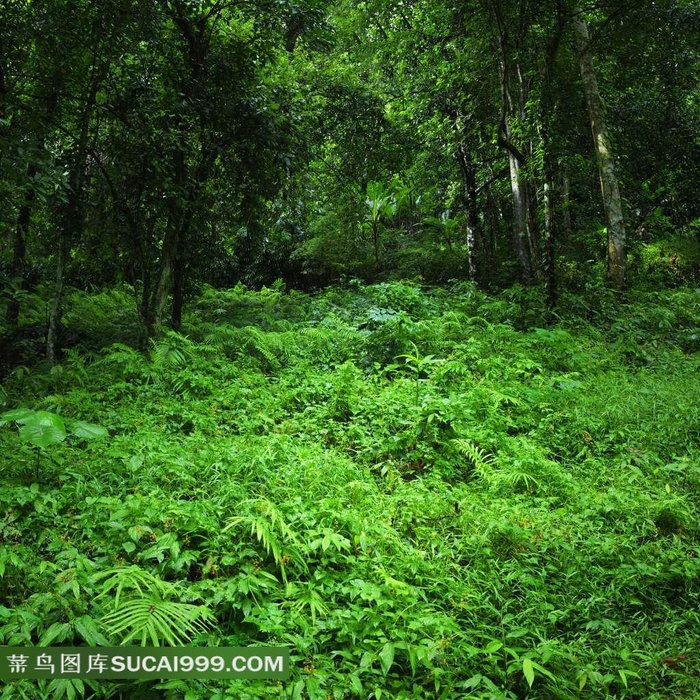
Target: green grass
(423, 494)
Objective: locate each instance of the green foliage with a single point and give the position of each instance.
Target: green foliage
(420, 493)
(143, 608)
(43, 428)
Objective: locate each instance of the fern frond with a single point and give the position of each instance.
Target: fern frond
(172, 350)
(155, 620)
(482, 462)
(271, 530)
(519, 479)
(143, 607)
(120, 354)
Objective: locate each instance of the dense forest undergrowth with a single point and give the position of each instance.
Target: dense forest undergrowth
(423, 493)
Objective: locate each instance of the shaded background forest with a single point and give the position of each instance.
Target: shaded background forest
(164, 145)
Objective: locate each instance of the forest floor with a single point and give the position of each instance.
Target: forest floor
(421, 493)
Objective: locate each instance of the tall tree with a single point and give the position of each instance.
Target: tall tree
(612, 202)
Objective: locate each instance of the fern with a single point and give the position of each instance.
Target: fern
(519, 479)
(278, 348)
(144, 609)
(267, 346)
(173, 350)
(271, 530)
(275, 348)
(155, 620)
(482, 462)
(221, 337)
(76, 363)
(130, 361)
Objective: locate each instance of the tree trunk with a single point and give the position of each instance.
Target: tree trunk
(19, 247)
(162, 290)
(375, 239)
(179, 273)
(533, 229)
(72, 213)
(520, 218)
(471, 208)
(521, 234)
(144, 310)
(612, 202)
(55, 310)
(550, 234)
(565, 202)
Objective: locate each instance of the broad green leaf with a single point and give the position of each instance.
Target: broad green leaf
(86, 627)
(314, 690)
(17, 415)
(58, 632)
(473, 682)
(356, 684)
(43, 429)
(386, 657)
(582, 679)
(87, 431)
(542, 670)
(528, 671)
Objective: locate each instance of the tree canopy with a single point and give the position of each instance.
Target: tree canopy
(166, 144)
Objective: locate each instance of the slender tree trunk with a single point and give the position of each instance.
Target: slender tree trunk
(375, 239)
(179, 274)
(72, 213)
(612, 202)
(19, 246)
(520, 218)
(144, 303)
(144, 306)
(491, 224)
(565, 202)
(180, 262)
(162, 290)
(474, 234)
(550, 234)
(55, 309)
(533, 229)
(172, 240)
(521, 236)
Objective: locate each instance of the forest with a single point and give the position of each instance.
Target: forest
(369, 329)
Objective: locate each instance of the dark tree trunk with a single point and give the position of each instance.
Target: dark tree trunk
(19, 246)
(179, 274)
(72, 214)
(55, 310)
(471, 208)
(565, 202)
